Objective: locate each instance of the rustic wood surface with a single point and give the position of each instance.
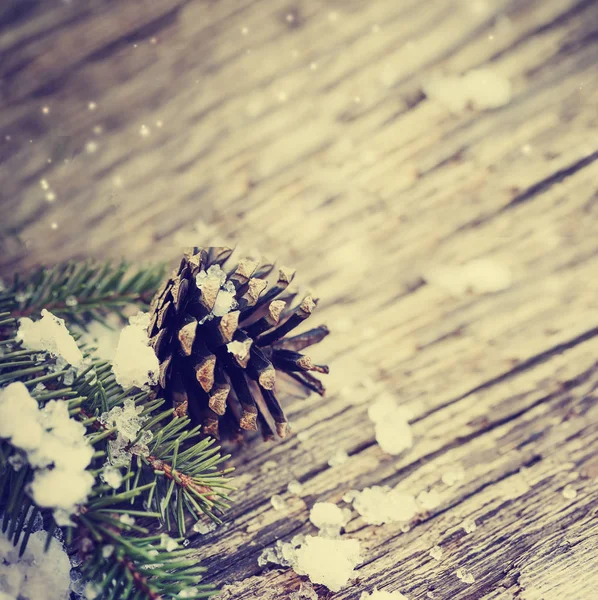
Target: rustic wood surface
(300, 128)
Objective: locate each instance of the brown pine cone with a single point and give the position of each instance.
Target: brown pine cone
(220, 337)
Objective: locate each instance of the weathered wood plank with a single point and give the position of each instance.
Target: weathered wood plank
(310, 137)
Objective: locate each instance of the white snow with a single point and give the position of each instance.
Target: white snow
(393, 433)
(465, 576)
(382, 595)
(436, 552)
(479, 276)
(135, 364)
(381, 504)
(54, 445)
(329, 518)
(328, 561)
(37, 574)
(482, 89)
(50, 334)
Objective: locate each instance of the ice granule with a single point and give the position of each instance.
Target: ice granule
(339, 458)
(328, 518)
(127, 519)
(469, 525)
(381, 504)
(295, 488)
(436, 552)
(225, 301)
(37, 574)
(135, 363)
(569, 492)
(328, 561)
(203, 527)
(278, 502)
(482, 89)
(393, 432)
(305, 591)
(239, 349)
(128, 422)
(382, 595)
(107, 550)
(112, 477)
(465, 576)
(190, 592)
(50, 334)
(168, 543)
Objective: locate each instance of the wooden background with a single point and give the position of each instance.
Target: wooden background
(299, 127)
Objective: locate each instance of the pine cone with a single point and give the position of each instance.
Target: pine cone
(220, 339)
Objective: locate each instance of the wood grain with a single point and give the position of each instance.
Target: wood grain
(301, 128)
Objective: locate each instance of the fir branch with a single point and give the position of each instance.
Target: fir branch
(80, 291)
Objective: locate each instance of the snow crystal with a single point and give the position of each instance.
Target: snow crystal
(328, 561)
(50, 438)
(480, 276)
(393, 433)
(225, 300)
(436, 552)
(469, 525)
(465, 576)
(569, 492)
(240, 349)
(202, 527)
(107, 550)
(382, 595)
(295, 488)
(328, 518)
(135, 364)
(188, 593)
(50, 334)
(278, 502)
(339, 458)
(37, 574)
(282, 553)
(112, 476)
(482, 89)
(381, 504)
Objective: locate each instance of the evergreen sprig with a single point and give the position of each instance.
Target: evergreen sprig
(171, 482)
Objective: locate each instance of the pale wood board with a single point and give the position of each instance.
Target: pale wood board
(308, 136)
